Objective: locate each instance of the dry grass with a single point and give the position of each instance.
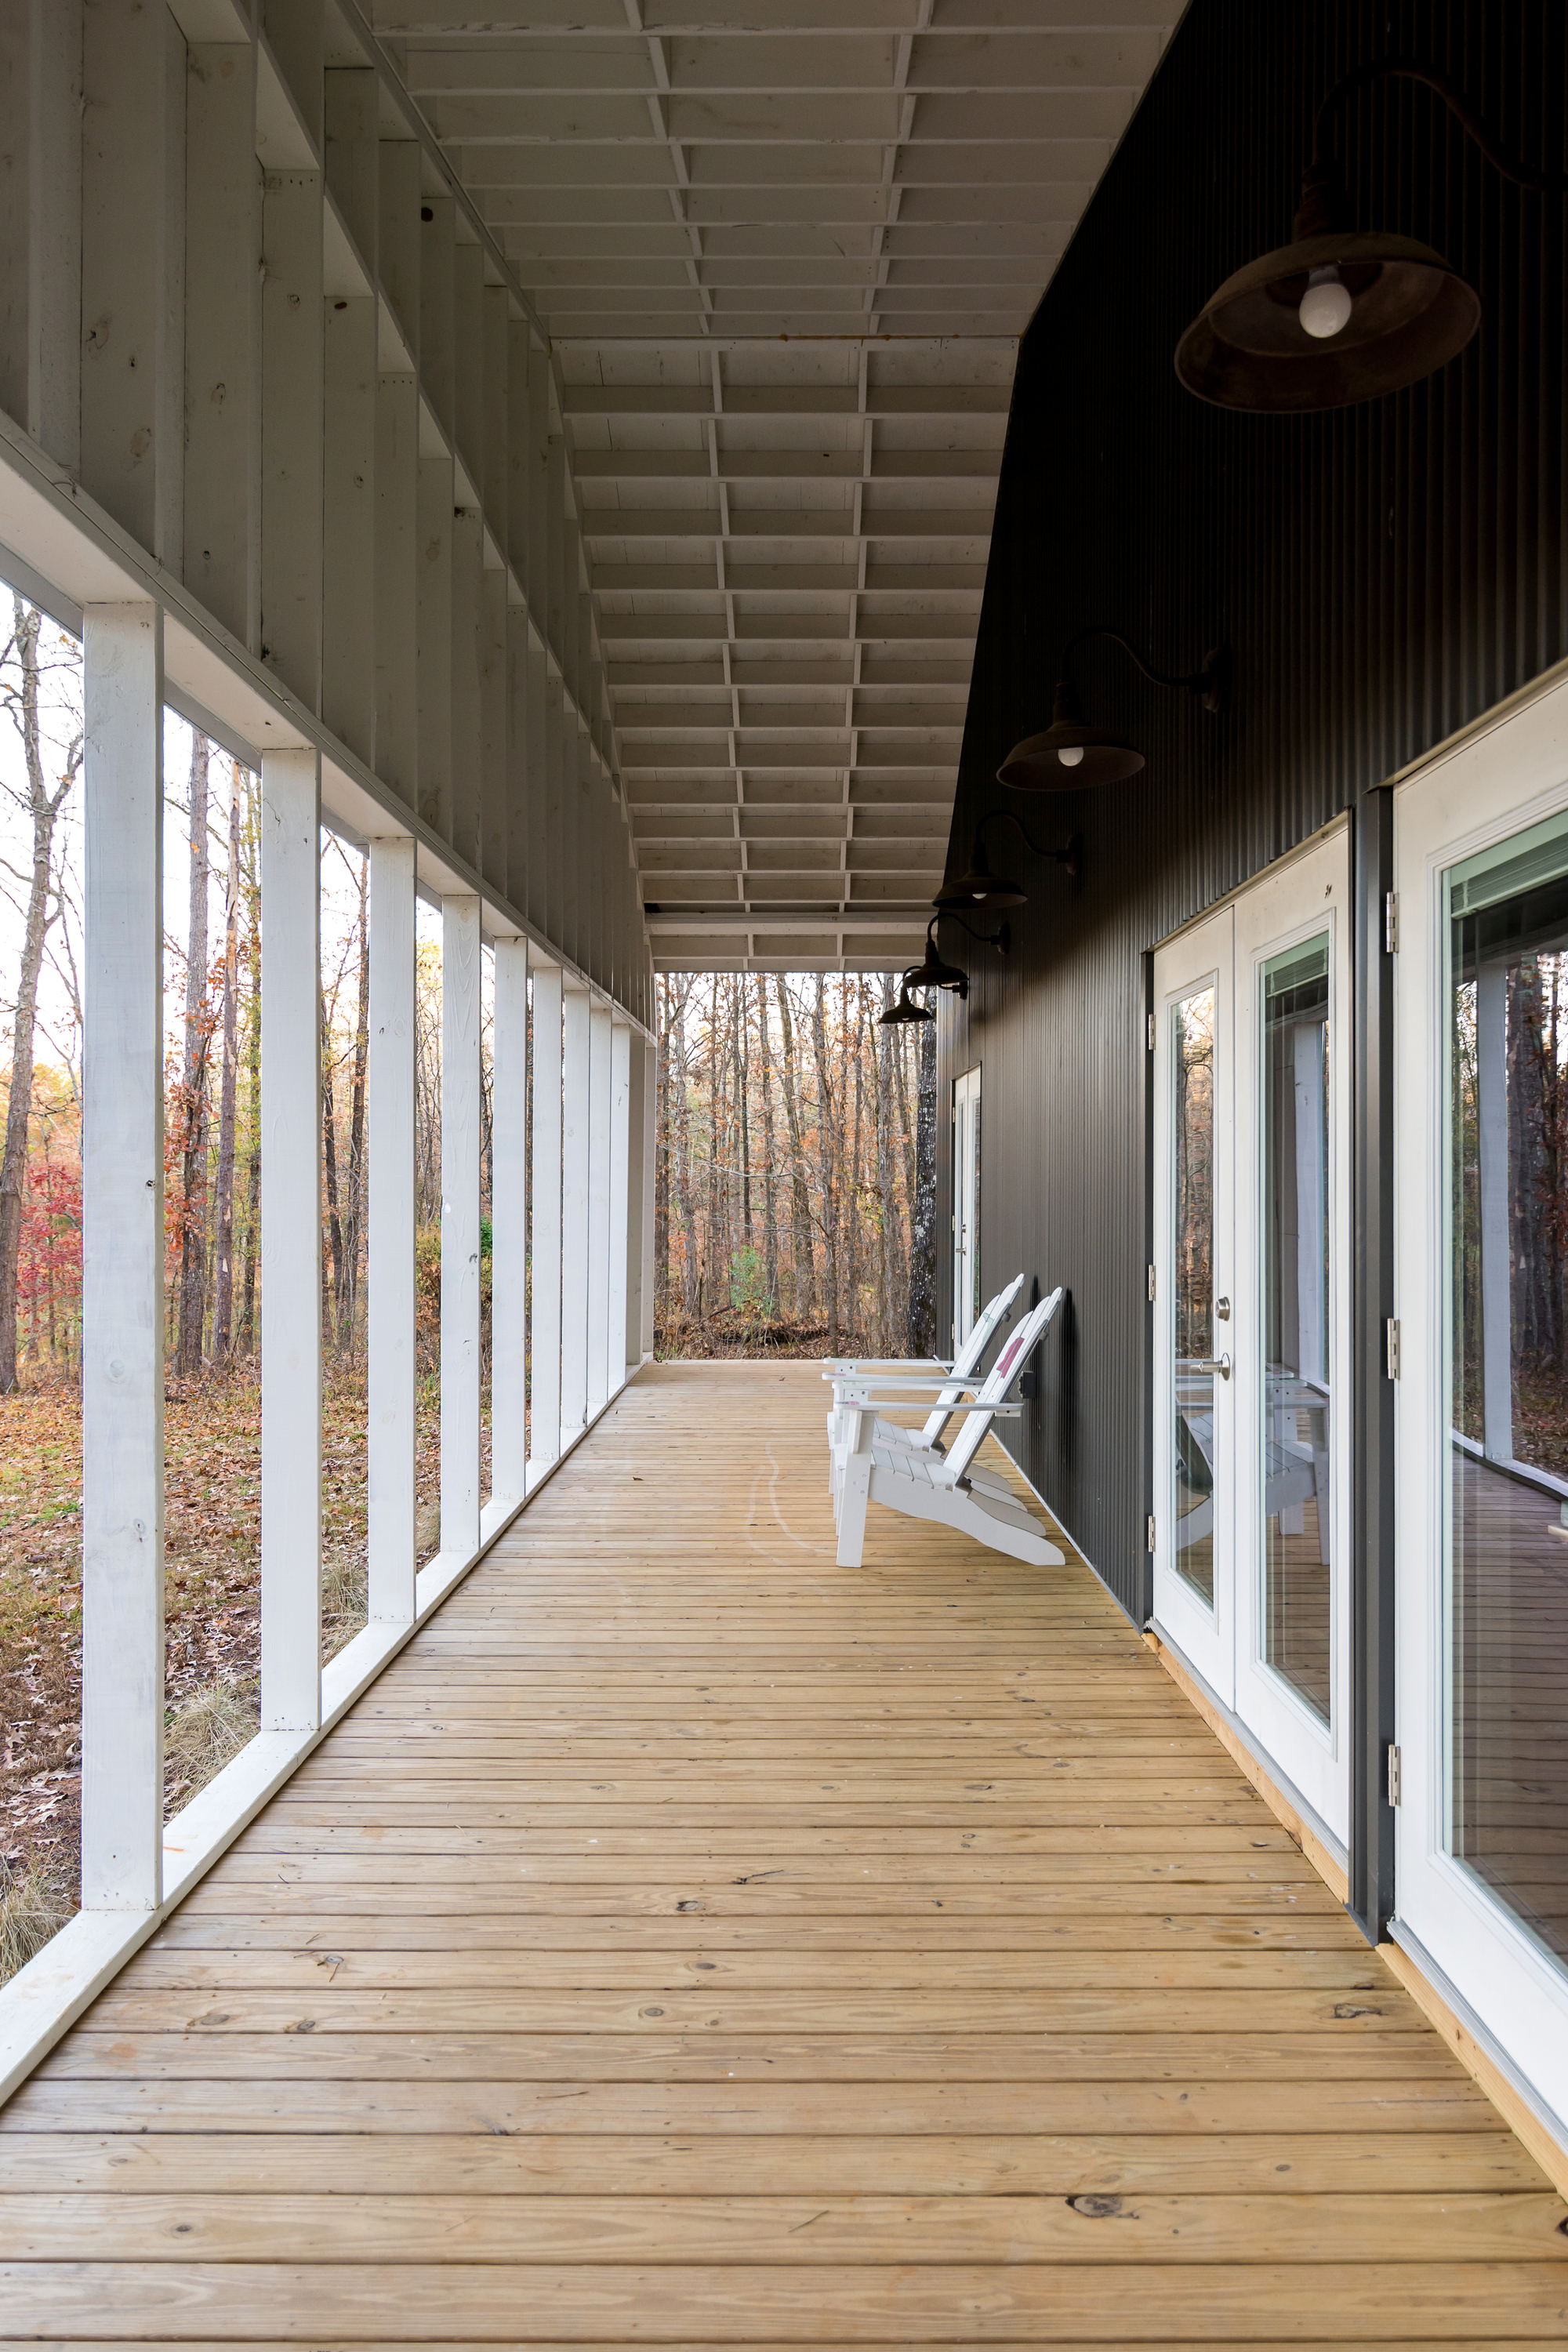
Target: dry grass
(203, 1733)
(34, 1906)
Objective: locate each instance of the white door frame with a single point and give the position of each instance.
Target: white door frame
(1291, 904)
(1495, 784)
(1203, 954)
(965, 1202)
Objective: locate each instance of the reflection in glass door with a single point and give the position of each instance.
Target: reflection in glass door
(1294, 1324)
(1507, 1363)
(1194, 1366)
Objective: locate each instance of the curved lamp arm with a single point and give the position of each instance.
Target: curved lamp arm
(1544, 183)
(1001, 938)
(1208, 684)
(1061, 853)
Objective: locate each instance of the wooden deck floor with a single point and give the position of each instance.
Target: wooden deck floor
(689, 1942)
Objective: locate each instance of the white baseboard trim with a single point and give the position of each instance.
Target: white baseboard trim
(45, 1998)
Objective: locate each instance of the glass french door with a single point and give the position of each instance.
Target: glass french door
(1481, 1410)
(1195, 1450)
(1250, 1315)
(966, 1299)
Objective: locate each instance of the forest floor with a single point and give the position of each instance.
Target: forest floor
(212, 1430)
(738, 1331)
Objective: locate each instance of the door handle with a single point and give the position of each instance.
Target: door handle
(1220, 1364)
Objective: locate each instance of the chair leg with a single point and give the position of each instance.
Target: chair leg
(854, 1494)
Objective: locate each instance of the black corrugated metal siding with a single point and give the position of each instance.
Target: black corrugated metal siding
(1382, 575)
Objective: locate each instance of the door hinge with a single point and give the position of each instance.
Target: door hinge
(1151, 1033)
(1395, 1787)
(1149, 1544)
(1391, 1347)
(1391, 922)
(1150, 1285)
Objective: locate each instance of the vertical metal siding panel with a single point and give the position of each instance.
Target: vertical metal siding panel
(1381, 575)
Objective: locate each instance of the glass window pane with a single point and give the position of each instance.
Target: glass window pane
(1507, 1547)
(1192, 1126)
(1294, 1436)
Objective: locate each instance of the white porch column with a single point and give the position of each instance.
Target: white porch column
(620, 1089)
(601, 1033)
(459, 1223)
(291, 1241)
(508, 1224)
(390, 1284)
(123, 1261)
(639, 1120)
(648, 1147)
(544, 1224)
(1497, 1282)
(574, 1151)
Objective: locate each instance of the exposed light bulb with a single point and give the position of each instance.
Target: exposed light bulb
(1326, 304)
(1071, 755)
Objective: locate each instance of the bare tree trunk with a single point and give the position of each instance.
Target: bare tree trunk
(661, 1165)
(193, 1084)
(353, 1186)
(716, 1267)
(854, 1196)
(330, 1167)
(743, 1090)
(829, 1158)
(922, 1239)
(43, 808)
(894, 1263)
(253, 1083)
(223, 1300)
(770, 1213)
(800, 1243)
(691, 1272)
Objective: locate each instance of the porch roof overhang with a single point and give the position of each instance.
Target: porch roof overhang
(784, 250)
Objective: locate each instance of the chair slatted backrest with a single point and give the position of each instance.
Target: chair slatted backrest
(1008, 1364)
(964, 1364)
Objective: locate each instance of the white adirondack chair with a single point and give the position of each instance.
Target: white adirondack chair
(945, 1488)
(960, 1377)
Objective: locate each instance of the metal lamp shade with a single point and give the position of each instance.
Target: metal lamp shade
(1036, 765)
(978, 890)
(1409, 316)
(903, 1010)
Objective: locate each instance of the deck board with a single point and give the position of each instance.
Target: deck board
(688, 1941)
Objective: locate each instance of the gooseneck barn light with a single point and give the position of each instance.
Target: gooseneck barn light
(1340, 314)
(1071, 756)
(906, 1009)
(982, 892)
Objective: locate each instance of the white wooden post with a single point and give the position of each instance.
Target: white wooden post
(647, 1145)
(123, 1261)
(638, 1116)
(291, 1241)
(509, 1225)
(575, 1148)
(544, 1224)
(620, 1089)
(460, 1224)
(601, 1049)
(391, 1429)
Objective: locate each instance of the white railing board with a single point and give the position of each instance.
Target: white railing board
(601, 1048)
(509, 1220)
(575, 1048)
(544, 1222)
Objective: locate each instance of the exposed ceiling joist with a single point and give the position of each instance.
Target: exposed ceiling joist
(784, 249)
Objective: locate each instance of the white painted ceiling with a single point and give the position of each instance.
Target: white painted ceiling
(786, 249)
